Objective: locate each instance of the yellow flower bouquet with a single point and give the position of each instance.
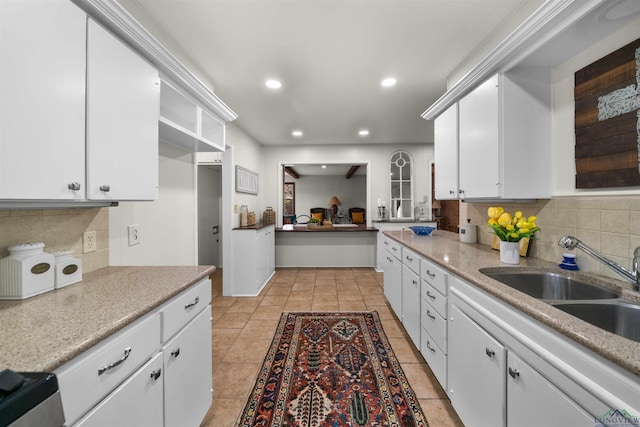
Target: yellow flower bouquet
(511, 228)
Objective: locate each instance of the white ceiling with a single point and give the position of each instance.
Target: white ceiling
(330, 56)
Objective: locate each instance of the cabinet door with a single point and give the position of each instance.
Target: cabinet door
(271, 251)
(411, 304)
(262, 258)
(393, 282)
(445, 131)
(480, 156)
(476, 372)
(534, 401)
(187, 373)
(137, 402)
(42, 107)
(123, 102)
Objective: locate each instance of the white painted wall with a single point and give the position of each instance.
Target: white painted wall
(167, 225)
(314, 191)
(564, 112)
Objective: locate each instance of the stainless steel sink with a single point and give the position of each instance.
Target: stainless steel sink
(550, 286)
(617, 316)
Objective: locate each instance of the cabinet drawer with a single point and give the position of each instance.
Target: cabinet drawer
(86, 379)
(185, 307)
(435, 358)
(393, 247)
(434, 298)
(123, 406)
(434, 275)
(411, 260)
(435, 325)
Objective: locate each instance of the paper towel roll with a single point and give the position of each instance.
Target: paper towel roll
(468, 233)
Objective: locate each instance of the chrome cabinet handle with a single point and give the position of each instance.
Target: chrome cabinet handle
(431, 296)
(176, 352)
(414, 282)
(452, 192)
(489, 352)
(386, 243)
(430, 315)
(394, 248)
(433, 350)
(430, 274)
(105, 368)
(514, 373)
(105, 188)
(75, 186)
(188, 306)
(409, 258)
(156, 373)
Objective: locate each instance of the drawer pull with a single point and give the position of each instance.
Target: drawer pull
(409, 258)
(105, 368)
(489, 352)
(156, 374)
(431, 296)
(386, 243)
(430, 274)
(430, 315)
(514, 373)
(433, 350)
(188, 306)
(105, 188)
(414, 282)
(75, 186)
(176, 352)
(395, 249)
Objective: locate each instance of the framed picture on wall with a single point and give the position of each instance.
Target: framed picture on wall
(246, 181)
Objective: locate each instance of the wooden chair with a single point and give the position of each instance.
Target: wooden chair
(317, 211)
(360, 216)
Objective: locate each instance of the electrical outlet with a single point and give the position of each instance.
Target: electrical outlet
(235, 208)
(134, 234)
(89, 242)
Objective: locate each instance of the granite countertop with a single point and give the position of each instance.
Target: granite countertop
(465, 260)
(45, 331)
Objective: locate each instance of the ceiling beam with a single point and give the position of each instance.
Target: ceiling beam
(291, 172)
(352, 170)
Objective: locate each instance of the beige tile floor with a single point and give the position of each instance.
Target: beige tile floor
(243, 329)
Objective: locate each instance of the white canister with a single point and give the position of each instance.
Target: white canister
(468, 233)
(68, 268)
(27, 271)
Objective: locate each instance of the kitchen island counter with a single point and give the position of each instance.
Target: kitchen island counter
(43, 332)
(466, 260)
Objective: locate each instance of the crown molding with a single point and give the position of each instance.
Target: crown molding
(113, 16)
(545, 23)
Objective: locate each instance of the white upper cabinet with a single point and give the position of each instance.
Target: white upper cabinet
(504, 140)
(446, 154)
(42, 100)
(123, 102)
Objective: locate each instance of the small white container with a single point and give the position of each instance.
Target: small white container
(27, 271)
(68, 268)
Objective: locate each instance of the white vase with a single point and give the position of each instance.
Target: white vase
(510, 252)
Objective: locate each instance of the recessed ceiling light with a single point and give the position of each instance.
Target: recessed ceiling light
(273, 84)
(363, 132)
(388, 82)
(324, 166)
(297, 133)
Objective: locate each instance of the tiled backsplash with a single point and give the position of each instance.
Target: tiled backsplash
(609, 225)
(58, 229)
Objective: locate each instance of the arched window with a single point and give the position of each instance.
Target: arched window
(401, 179)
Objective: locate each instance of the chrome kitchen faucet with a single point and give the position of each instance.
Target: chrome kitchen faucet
(570, 242)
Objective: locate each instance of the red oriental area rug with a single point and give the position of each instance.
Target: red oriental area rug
(331, 369)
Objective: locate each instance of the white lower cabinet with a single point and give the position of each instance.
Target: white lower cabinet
(256, 247)
(392, 267)
(411, 304)
(187, 373)
(137, 402)
(154, 372)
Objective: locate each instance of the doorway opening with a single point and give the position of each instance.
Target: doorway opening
(209, 215)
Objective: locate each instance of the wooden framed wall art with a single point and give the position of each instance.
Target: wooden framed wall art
(607, 120)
